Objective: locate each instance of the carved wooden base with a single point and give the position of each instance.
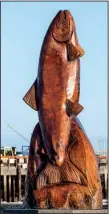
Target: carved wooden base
(75, 184)
(67, 196)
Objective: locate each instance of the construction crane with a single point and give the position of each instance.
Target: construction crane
(17, 133)
(20, 136)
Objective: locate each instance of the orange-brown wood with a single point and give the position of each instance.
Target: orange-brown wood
(62, 166)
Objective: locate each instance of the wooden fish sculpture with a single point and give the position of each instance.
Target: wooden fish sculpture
(62, 166)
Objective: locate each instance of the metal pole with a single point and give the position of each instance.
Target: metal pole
(106, 180)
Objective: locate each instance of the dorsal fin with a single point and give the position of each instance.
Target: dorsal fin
(31, 96)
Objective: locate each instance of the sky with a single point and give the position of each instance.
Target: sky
(23, 27)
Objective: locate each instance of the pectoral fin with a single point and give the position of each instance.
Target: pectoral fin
(74, 52)
(81, 51)
(73, 108)
(31, 97)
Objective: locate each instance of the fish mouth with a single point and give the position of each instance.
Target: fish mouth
(63, 27)
(57, 160)
(66, 14)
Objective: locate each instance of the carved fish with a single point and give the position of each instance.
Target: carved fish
(62, 167)
(55, 92)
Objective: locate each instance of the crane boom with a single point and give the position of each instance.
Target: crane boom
(17, 133)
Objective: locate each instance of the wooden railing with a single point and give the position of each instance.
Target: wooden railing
(13, 178)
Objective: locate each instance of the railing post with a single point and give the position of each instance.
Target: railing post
(105, 176)
(5, 188)
(9, 188)
(13, 186)
(19, 181)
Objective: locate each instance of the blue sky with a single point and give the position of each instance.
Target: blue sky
(24, 25)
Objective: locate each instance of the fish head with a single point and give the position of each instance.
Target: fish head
(64, 32)
(63, 26)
